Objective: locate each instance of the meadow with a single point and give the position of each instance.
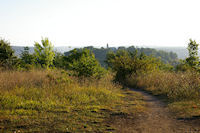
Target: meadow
(54, 101)
(50, 92)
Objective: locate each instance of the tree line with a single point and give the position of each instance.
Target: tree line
(100, 53)
(88, 61)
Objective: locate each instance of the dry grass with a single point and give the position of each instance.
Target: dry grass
(27, 95)
(53, 101)
(180, 89)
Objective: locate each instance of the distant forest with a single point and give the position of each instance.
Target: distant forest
(100, 53)
(166, 56)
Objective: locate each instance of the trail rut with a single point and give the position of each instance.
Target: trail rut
(158, 119)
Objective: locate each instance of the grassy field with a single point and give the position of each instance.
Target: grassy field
(53, 101)
(181, 90)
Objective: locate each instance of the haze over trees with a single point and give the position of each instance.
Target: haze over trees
(100, 53)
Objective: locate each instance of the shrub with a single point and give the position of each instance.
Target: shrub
(127, 63)
(83, 63)
(59, 60)
(7, 57)
(26, 59)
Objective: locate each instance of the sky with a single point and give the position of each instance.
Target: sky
(78, 23)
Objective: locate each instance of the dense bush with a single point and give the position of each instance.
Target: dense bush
(58, 61)
(27, 60)
(83, 63)
(7, 57)
(127, 63)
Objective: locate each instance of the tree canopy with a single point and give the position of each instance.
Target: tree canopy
(44, 53)
(7, 57)
(83, 63)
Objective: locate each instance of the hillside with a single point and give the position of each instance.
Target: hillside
(182, 52)
(18, 49)
(100, 53)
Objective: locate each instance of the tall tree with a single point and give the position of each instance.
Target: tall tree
(7, 57)
(84, 63)
(44, 53)
(26, 57)
(193, 59)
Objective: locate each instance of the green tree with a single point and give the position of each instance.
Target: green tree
(193, 59)
(27, 59)
(84, 63)
(7, 57)
(44, 53)
(59, 60)
(183, 66)
(100, 54)
(126, 63)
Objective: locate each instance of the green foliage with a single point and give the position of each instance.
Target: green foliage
(83, 63)
(27, 59)
(59, 60)
(7, 57)
(183, 66)
(44, 53)
(192, 62)
(193, 59)
(100, 54)
(127, 63)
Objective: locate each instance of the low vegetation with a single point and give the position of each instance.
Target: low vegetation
(181, 90)
(53, 101)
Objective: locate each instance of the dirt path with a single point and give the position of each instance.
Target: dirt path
(157, 119)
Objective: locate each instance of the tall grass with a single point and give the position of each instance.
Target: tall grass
(27, 95)
(182, 90)
(176, 86)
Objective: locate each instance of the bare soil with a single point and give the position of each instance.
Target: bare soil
(157, 119)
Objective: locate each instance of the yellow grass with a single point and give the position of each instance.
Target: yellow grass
(41, 100)
(180, 89)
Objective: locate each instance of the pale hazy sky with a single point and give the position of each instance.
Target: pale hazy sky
(98, 22)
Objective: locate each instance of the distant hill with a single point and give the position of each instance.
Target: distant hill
(18, 49)
(100, 53)
(182, 52)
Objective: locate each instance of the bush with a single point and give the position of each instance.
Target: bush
(7, 57)
(59, 60)
(127, 63)
(26, 60)
(83, 63)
